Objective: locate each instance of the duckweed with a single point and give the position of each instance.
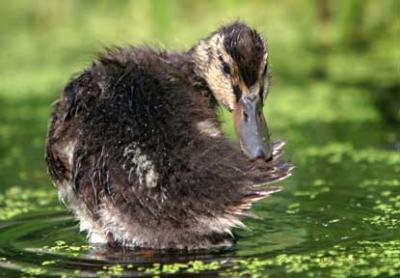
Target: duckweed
(312, 193)
(365, 258)
(34, 271)
(380, 183)
(16, 201)
(337, 152)
(293, 208)
(389, 212)
(111, 270)
(44, 263)
(61, 246)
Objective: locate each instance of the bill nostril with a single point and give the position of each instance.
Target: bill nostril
(245, 117)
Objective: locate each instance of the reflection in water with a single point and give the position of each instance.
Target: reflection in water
(337, 215)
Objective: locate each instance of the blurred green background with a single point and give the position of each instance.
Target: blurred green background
(348, 43)
(332, 61)
(335, 98)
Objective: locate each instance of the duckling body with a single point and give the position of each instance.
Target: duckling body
(136, 151)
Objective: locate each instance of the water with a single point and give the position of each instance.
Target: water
(338, 215)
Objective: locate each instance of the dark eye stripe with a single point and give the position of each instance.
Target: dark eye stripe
(237, 92)
(225, 66)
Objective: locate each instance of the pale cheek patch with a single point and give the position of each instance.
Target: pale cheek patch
(210, 67)
(220, 85)
(145, 168)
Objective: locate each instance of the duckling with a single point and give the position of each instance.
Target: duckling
(136, 150)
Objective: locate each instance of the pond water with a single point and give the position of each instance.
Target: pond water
(338, 215)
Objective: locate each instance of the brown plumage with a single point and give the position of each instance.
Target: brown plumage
(135, 149)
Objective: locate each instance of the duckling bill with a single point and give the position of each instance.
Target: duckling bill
(135, 147)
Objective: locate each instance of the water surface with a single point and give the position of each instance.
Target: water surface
(338, 215)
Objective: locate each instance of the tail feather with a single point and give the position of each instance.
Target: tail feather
(260, 178)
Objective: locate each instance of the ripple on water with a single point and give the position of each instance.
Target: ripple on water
(48, 244)
(336, 217)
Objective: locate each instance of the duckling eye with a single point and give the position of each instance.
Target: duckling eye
(226, 68)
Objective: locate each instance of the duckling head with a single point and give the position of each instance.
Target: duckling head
(234, 63)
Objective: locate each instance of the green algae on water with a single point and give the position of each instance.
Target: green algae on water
(387, 212)
(364, 258)
(34, 271)
(337, 152)
(61, 247)
(157, 269)
(17, 200)
(380, 183)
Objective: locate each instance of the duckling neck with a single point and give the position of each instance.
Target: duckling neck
(201, 86)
